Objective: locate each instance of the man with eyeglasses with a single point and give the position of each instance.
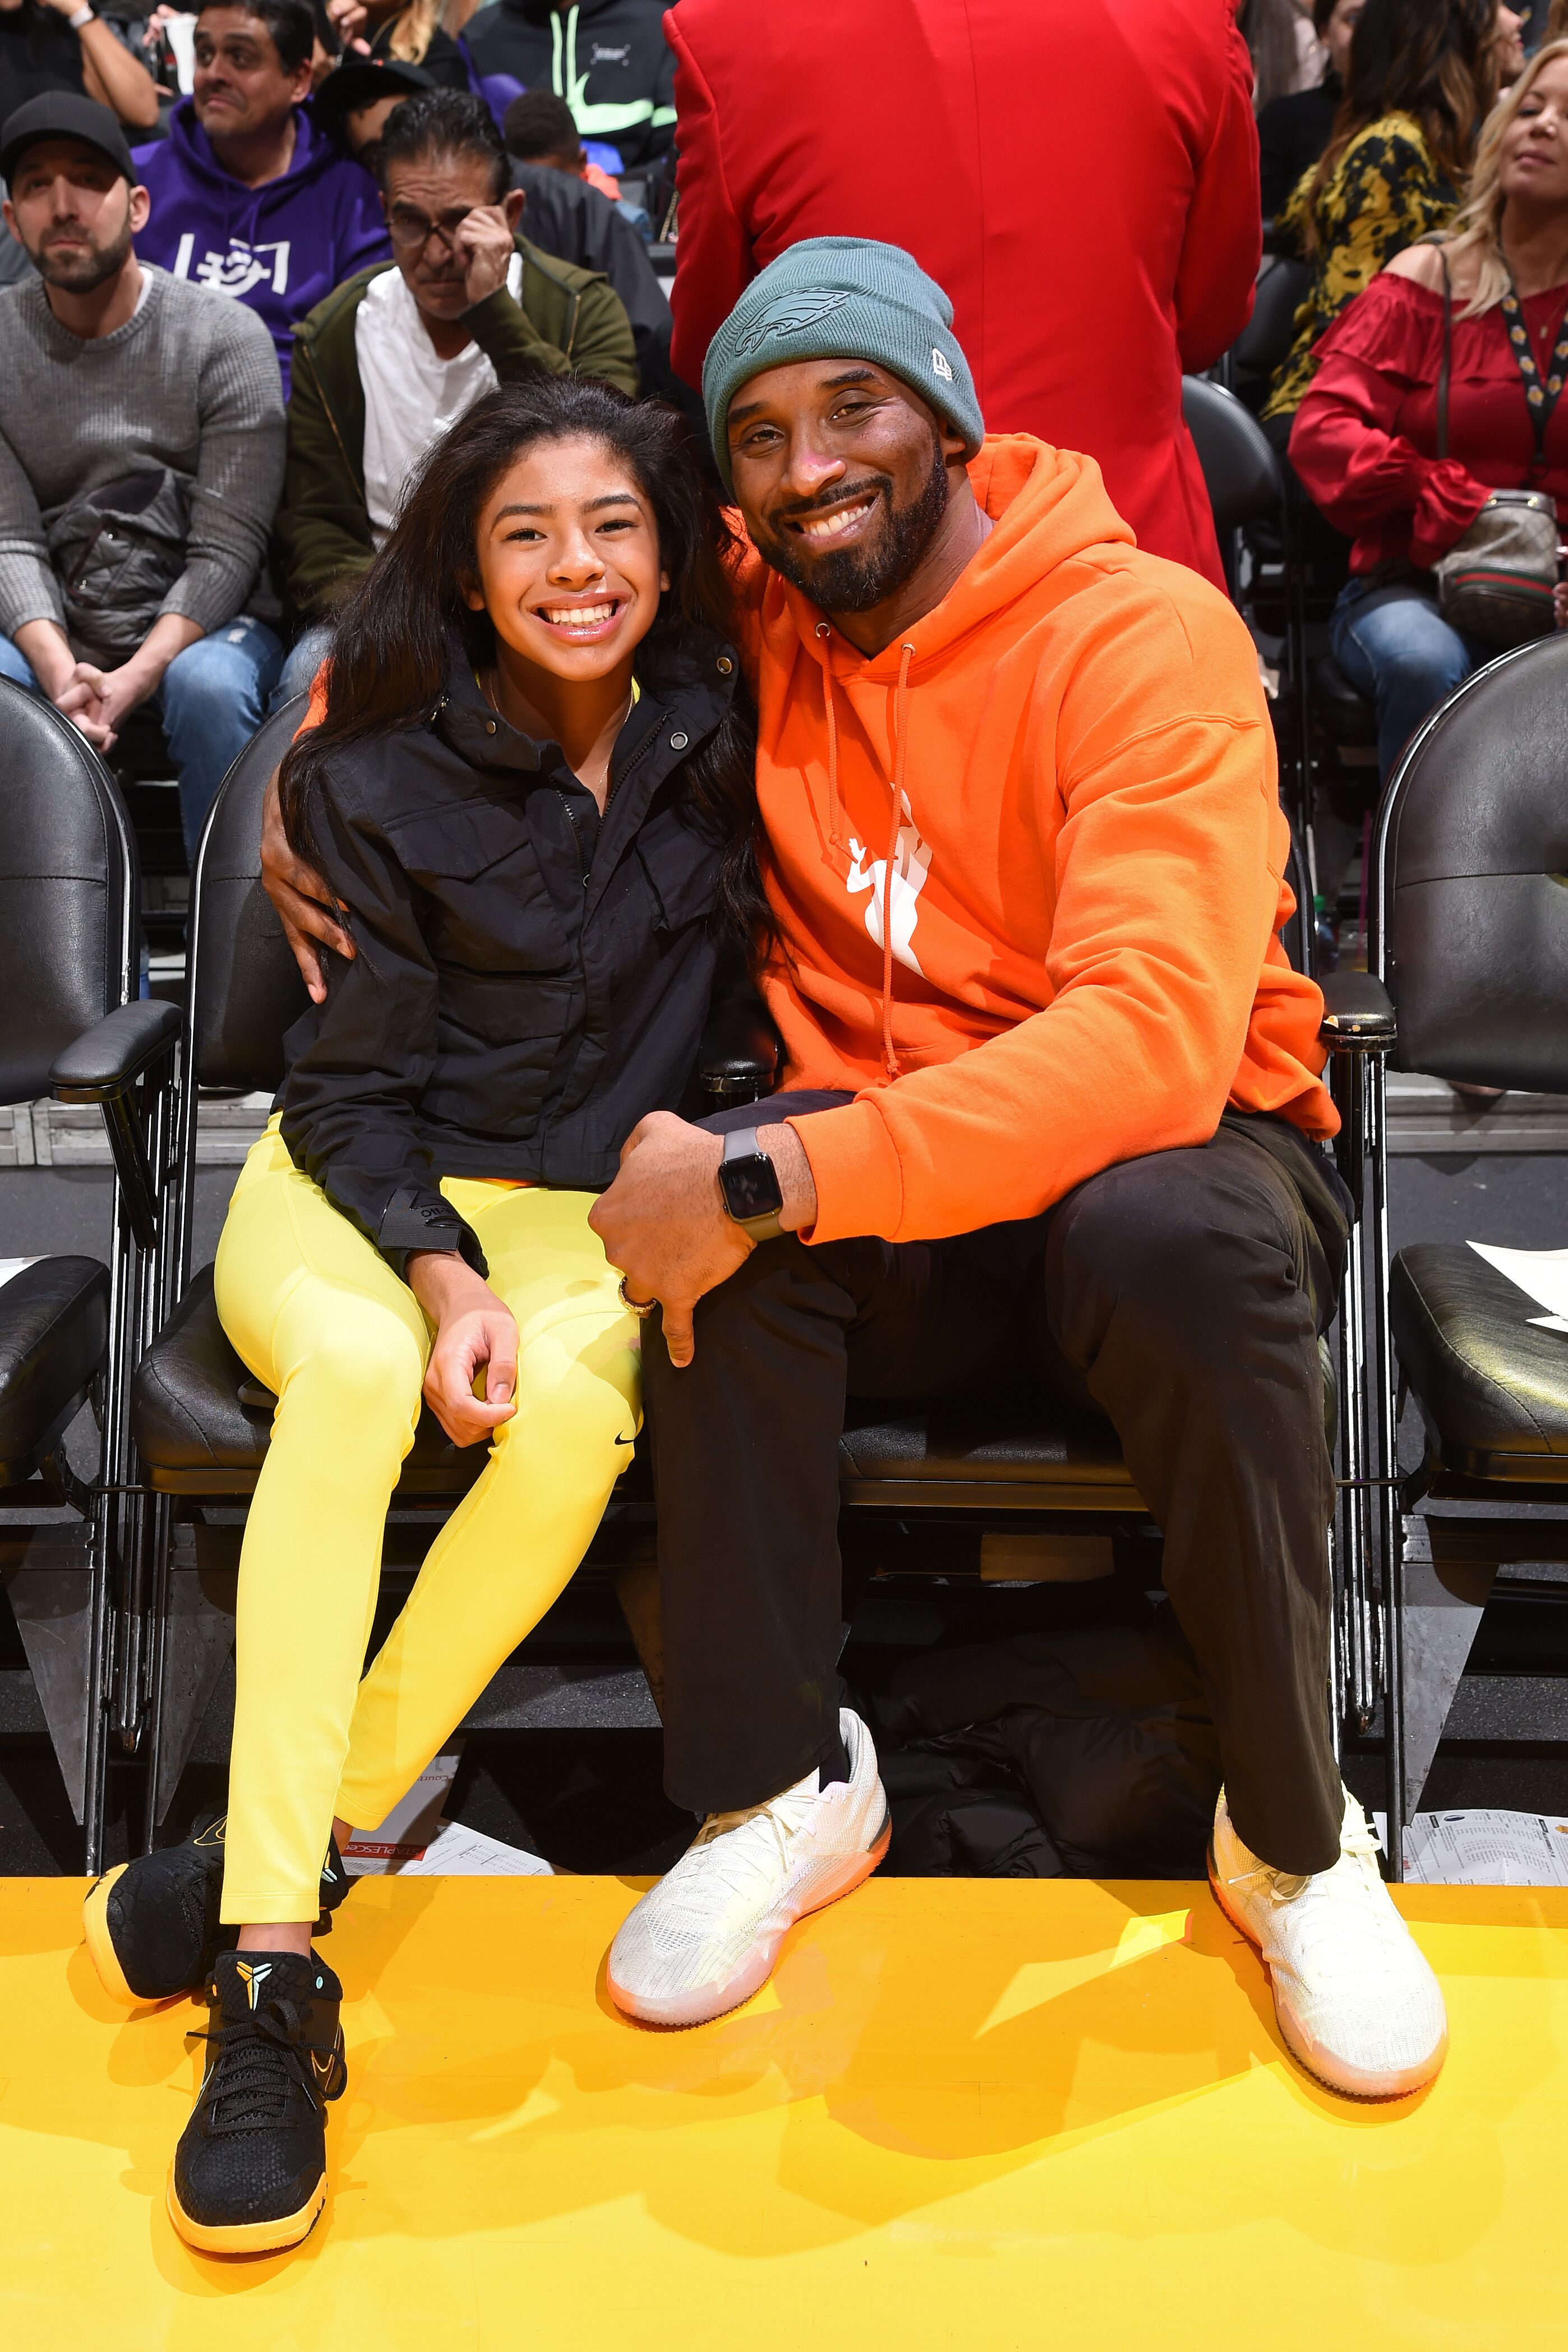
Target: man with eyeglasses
(388, 362)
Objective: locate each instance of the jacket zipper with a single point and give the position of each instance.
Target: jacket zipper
(571, 820)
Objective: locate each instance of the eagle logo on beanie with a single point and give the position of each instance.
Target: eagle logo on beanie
(801, 311)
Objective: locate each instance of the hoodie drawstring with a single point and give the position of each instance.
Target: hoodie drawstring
(900, 738)
(835, 814)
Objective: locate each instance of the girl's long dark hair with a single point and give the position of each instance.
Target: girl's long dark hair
(392, 640)
(1434, 59)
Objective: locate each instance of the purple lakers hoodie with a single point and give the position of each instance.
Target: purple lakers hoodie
(279, 249)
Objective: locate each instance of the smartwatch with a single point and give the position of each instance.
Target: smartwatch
(749, 1186)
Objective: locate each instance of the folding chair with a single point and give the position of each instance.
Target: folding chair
(1468, 983)
(70, 1326)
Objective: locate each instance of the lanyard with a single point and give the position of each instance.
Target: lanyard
(1541, 398)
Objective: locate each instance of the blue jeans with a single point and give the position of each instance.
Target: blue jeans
(212, 700)
(1395, 647)
(301, 663)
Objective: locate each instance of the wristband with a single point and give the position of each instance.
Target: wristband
(83, 16)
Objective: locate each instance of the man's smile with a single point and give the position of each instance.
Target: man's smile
(829, 529)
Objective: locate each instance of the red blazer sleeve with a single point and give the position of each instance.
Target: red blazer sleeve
(1354, 464)
(716, 262)
(1224, 240)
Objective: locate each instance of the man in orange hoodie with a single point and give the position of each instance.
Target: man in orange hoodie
(1053, 1107)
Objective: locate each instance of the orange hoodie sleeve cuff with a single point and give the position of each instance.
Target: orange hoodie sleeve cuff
(854, 1168)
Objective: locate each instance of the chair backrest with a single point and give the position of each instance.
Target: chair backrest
(1266, 338)
(245, 989)
(1241, 472)
(1472, 879)
(68, 891)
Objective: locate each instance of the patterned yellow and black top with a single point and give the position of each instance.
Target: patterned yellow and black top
(1384, 191)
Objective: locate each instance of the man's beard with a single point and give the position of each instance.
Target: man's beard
(857, 579)
(83, 273)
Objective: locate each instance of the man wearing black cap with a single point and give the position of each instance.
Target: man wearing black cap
(353, 102)
(141, 458)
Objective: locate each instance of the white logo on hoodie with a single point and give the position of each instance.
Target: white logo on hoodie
(912, 863)
(239, 270)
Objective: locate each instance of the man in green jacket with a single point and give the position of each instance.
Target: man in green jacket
(394, 356)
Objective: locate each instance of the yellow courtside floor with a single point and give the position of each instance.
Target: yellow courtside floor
(974, 2115)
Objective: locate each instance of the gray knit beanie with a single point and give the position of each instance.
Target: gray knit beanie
(843, 297)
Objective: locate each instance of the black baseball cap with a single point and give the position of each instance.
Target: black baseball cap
(61, 114)
(360, 82)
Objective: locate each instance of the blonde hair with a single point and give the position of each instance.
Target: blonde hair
(412, 34)
(1477, 227)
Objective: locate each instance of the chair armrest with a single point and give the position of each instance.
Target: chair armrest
(739, 1058)
(108, 1058)
(1358, 1015)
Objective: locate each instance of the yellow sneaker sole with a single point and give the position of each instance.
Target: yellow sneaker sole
(248, 2237)
(100, 1943)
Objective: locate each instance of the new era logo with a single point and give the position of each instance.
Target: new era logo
(938, 364)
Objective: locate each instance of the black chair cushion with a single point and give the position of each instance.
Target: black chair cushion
(1009, 1448)
(1493, 1388)
(202, 1425)
(54, 1331)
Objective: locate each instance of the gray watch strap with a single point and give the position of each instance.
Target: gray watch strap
(742, 1143)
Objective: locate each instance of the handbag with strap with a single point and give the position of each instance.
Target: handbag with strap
(1496, 582)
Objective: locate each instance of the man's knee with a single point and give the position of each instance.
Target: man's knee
(1177, 1247)
(361, 1370)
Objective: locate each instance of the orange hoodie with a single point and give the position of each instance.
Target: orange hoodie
(1062, 791)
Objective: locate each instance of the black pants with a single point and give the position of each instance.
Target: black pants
(1181, 1295)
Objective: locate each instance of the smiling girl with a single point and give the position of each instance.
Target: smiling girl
(528, 789)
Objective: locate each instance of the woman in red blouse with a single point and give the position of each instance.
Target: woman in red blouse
(1366, 437)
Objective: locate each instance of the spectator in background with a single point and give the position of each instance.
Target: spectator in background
(48, 45)
(1079, 315)
(353, 102)
(566, 214)
(1286, 55)
(128, 394)
(408, 32)
(248, 196)
(1420, 76)
(607, 58)
(1294, 130)
(1366, 437)
(391, 360)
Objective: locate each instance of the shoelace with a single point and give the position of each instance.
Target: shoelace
(1320, 1929)
(257, 2059)
(736, 1862)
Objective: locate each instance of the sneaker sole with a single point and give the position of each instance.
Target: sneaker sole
(100, 1942)
(1306, 2052)
(701, 2008)
(247, 2237)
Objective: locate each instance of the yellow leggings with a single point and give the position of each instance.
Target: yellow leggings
(319, 1316)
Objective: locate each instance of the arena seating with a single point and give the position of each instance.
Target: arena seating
(1468, 975)
(70, 1328)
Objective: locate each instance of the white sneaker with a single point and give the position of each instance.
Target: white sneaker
(705, 1938)
(1356, 2002)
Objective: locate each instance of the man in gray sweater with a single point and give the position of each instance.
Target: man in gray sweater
(141, 459)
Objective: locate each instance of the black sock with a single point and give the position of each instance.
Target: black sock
(837, 1765)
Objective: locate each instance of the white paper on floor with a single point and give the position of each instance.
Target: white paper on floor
(457, 1852)
(415, 1842)
(1541, 1275)
(413, 1821)
(11, 1267)
(1483, 1848)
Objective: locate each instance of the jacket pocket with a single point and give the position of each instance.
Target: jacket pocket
(680, 866)
(489, 912)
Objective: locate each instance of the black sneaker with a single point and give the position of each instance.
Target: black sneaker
(152, 1927)
(249, 2176)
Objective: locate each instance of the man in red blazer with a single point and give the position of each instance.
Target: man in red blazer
(1080, 175)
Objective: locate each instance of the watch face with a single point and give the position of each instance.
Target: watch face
(751, 1187)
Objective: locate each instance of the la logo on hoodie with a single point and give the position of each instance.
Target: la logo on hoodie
(279, 249)
(1028, 870)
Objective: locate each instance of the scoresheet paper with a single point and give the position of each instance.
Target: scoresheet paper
(1484, 1849)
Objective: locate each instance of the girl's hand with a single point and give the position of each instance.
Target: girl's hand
(475, 1332)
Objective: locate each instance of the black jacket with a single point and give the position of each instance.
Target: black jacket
(531, 979)
(1292, 132)
(607, 58)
